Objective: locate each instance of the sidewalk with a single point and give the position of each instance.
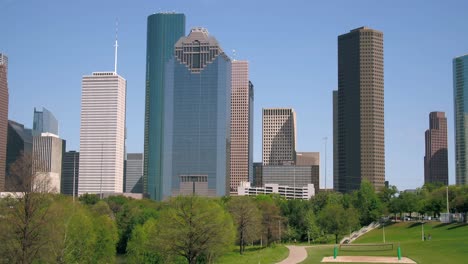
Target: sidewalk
(297, 254)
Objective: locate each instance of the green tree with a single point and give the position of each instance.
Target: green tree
(142, 245)
(293, 211)
(247, 219)
(89, 199)
(336, 220)
(460, 203)
(313, 230)
(194, 227)
(367, 203)
(25, 217)
(271, 220)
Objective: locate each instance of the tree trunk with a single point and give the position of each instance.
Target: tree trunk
(336, 238)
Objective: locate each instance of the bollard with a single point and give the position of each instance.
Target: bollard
(399, 252)
(335, 252)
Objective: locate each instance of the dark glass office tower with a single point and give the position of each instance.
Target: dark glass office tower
(361, 143)
(3, 117)
(197, 118)
(20, 142)
(164, 29)
(70, 170)
(460, 94)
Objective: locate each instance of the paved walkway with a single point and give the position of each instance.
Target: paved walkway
(297, 254)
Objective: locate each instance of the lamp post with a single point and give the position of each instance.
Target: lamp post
(100, 185)
(74, 158)
(325, 139)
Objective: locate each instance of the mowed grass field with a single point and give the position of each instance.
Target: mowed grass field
(449, 243)
(255, 255)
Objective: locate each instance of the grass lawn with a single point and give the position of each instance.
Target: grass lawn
(255, 255)
(446, 246)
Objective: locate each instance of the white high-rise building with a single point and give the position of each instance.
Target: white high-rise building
(47, 160)
(102, 133)
(279, 136)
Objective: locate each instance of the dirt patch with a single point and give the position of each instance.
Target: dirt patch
(367, 259)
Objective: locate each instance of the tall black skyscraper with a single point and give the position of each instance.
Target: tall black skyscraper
(361, 144)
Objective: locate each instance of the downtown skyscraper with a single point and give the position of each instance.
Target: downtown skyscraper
(436, 158)
(3, 117)
(278, 136)
(44, 122)
(241, 158)
(460, 94)
(196, 118)
(164, 30)
(361, 142)
(102, 133)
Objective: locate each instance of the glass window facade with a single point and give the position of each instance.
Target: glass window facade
(460, 92)
(164, 29)
(44, 122)
(196, 122)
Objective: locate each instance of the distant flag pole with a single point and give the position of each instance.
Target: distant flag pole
(116, 44)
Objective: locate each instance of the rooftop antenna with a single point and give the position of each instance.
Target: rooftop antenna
(234, 54)
(116, 44)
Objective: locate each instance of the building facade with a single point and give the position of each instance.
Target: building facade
(241, 125)
(20, 142)
(47, 160)
(361, 142)
(460, 93)
(134, 173)
(278, 136)
(257, 174)
(102, 133)
(44, 122)
(197, 117)
(70, 172)
(304, 192)
(436, 158)
(164, 30)
(3, 117)
(291, 175)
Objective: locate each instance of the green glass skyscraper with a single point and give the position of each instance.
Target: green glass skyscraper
(460, 94)
(164, 30)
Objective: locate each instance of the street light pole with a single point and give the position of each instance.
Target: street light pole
(100, 186)
(74, 158)
(447, 201)
(325, 139)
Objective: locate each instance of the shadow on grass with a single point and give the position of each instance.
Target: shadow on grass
(441, 225)
(387, 224)
(457, 226)
(414, 225)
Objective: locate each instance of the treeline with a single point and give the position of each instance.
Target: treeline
(40, 227)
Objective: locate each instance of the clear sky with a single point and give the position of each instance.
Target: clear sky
(292, 50)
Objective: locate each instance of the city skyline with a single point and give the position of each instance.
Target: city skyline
(400, 111)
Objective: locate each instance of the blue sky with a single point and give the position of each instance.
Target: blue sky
(291, 47)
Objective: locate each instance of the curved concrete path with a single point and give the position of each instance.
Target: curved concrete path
(297, 254)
